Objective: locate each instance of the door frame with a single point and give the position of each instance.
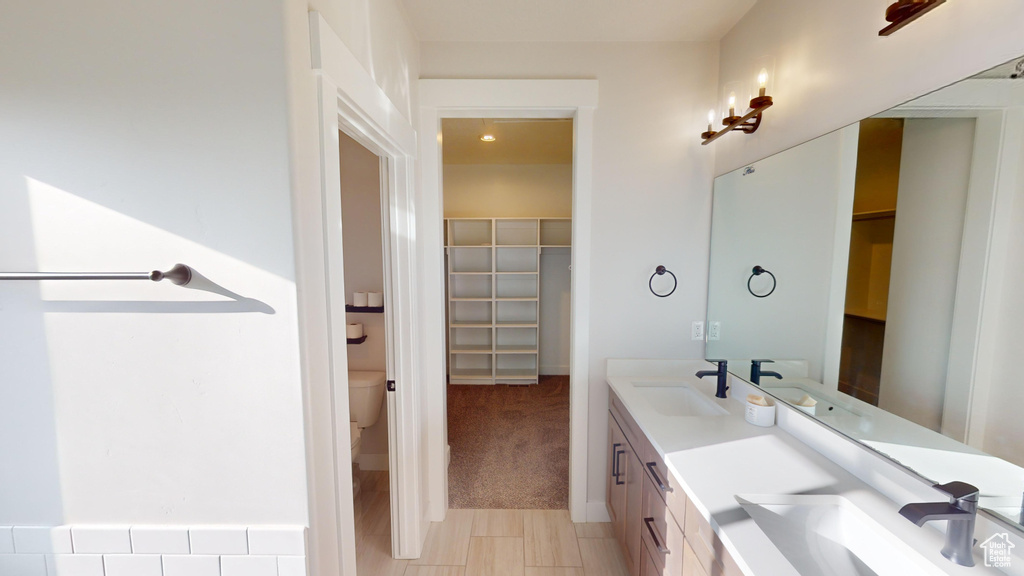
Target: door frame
(349, 100)
(442, 98)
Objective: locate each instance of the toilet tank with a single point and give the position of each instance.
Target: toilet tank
(365, 396)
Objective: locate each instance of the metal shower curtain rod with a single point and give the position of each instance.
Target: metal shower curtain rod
(180, 274)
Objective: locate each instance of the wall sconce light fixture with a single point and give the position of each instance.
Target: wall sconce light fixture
(903, 12)
(749, 122)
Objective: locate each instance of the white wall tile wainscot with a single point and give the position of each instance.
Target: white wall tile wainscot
(96, 550)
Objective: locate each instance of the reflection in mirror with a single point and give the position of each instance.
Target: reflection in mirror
(896, 312)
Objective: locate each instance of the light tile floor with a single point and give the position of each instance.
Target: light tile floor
(485, 542)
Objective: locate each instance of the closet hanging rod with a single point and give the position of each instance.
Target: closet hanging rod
(180, 274)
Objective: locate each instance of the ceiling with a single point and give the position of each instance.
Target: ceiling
(517, 141)
(574, 20)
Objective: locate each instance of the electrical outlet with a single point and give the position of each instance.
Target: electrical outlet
(697, 331)
(714, 330)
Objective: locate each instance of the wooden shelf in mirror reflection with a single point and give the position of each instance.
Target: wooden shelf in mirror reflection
(867, 314)
(876, 215)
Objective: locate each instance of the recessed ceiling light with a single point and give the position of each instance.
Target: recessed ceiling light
(488, 138)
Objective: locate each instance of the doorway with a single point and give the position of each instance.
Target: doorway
(507, 200)
(368, 348)
(439, 99)
(910, 204)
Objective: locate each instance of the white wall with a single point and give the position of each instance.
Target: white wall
(832, 69)
(783, 217)
(555, 311)
(507, 190)
(651, 191)
(135, 136)
(935, 168)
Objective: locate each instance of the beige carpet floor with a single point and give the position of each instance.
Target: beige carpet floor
(509, 445)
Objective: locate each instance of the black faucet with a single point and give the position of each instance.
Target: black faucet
(756, 372)
(961, 511)
(721, 373)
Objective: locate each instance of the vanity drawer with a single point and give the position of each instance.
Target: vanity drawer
(630, 429)
(657, 472)
(707, 548)
(661, 534)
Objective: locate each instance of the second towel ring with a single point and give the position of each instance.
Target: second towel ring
(757, 272)
(661, 271)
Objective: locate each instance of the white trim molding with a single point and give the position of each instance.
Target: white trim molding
(576, 99)
(350, 101)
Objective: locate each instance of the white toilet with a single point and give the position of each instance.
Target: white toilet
(365, 396)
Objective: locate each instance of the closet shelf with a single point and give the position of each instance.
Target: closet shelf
(514, 349)
(364, 309)
(359, 340)
(461, 324)
(467, 349)
(515, 373)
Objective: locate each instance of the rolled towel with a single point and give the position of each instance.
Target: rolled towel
(756, 400)
(807, 401)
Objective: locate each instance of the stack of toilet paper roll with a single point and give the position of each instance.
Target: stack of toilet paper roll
(354, 330)
(368, 299)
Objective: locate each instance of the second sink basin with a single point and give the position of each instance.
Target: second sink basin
(827, 535)
(678, 399)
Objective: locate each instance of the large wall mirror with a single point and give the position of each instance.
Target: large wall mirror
(874, 278)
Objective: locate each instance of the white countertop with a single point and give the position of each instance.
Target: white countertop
(714, 458)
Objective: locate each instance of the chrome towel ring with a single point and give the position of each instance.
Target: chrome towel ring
(757, 272)
(661, 271)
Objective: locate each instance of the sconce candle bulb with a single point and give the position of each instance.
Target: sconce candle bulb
(762, 82)
(732, 104)
(711, 123)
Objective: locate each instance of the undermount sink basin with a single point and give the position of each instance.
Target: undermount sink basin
(826, 535)
(823, 409)
(678, 399)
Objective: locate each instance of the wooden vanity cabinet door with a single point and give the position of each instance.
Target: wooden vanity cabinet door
(616, 479)
(634, 508)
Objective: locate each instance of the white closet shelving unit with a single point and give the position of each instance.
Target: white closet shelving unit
(494, 296)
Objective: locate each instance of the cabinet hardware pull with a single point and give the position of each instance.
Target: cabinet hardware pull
(664, 487)
(654, 536)
(615, 461)
(617, 454)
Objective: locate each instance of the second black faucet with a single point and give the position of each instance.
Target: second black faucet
(722, 373)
